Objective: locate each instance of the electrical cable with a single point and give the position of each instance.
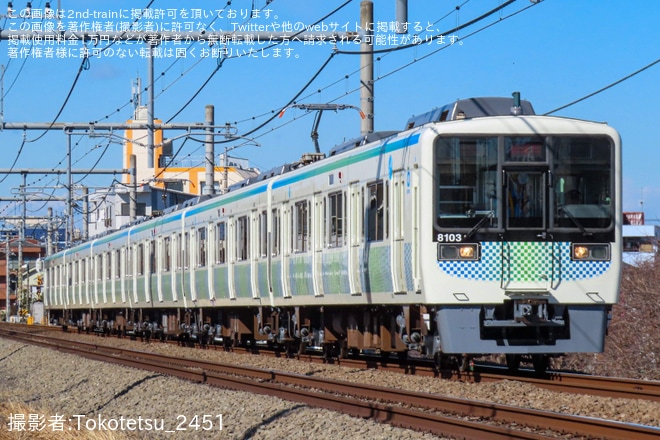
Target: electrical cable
(609, 86)
(291, 101)
(172, 159)
(220, 62)
(387, 51)
(20, 150)
(324, 65)
(85, 65)
(95, 163)
(423, 57)
(448, 32)
(199, 90)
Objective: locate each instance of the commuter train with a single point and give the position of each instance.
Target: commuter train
(480, 228)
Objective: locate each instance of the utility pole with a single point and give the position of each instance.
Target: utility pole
(209, 162)
(152, 39)
(21, 238)
(7, 254)
(367, 67)
(69, 235)
(85, 210)
(70, 197)
(150, 106)
(132, 197)
(49, 233)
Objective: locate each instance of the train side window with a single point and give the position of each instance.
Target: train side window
(167, 254)
(115, 271)
(221, 243)
(320, 222)
(201, 247)
(140, 259)
(375, 211)
(75, 272)
(108, 266)
(275, 233)
(176, 251)
(242, 238)
(337, 218)
(185, 250)
(152, 257)
(129, 261)
(263, 234)
(98, 268)
(301, 226)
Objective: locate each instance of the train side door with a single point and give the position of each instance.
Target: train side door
(397, 233)
(318, 243)
(356, 213)
(286, 249)
(255, 252)
(231, 256)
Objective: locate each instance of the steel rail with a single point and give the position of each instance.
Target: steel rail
(393, 415)
(556, 381)
(208, 372)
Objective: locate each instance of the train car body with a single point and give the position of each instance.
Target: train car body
(472, 231)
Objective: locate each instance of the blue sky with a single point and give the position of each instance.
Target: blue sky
(554, 52)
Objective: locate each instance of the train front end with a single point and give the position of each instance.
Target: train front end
(526, 235)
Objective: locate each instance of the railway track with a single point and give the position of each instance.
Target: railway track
(557, 381)
(400, 408)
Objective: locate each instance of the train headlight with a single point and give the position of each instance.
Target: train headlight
(590, 252)
(458, 251)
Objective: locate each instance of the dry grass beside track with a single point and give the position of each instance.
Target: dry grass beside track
(632, 346)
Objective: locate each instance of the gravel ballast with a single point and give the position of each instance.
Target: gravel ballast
(80, 386)
(55, 384)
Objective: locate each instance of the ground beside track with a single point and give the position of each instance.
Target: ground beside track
(55, 384)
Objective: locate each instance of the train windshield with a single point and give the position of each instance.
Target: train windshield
(508, 183)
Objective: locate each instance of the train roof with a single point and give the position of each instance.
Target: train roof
(460, 109)
(362, 140)
(471, 108)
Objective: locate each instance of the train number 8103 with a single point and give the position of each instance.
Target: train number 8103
(449, 238)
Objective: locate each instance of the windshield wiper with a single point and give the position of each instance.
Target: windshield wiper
(562, 209)
(479, 224)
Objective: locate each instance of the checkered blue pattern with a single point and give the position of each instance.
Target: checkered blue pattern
(525, 262)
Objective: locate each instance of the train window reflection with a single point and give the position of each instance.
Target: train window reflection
(337, 218)
(301, 227)
(167, 254)
(466, 173)
(582, 182)
(275, 233)
(242, 237)
(376, 212)
(201, 247)
(220, 238)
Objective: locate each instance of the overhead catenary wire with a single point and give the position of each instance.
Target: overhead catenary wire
(553, 111)
(609, 86)
(417, 59)
(220, 62)
(448, 32)
(85, 65)
(219, 65)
